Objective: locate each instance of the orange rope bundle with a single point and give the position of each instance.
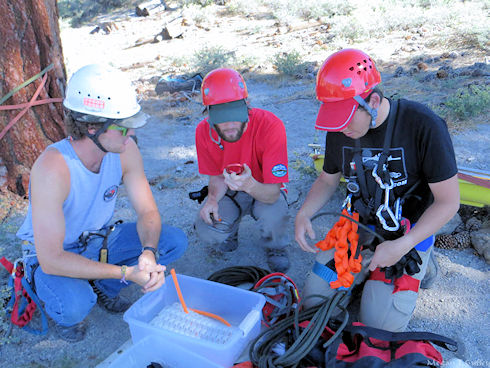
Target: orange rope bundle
(337, 237)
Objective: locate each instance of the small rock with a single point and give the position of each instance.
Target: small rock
(422, 66)
(441, 74)
(481, 242)
(473, 224)
(414, 70)
(399, 72)
(142, 12)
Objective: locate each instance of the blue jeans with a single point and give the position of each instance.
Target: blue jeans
(68, 300)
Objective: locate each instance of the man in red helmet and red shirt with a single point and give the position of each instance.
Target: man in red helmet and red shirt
(398, 161)
(243, 150)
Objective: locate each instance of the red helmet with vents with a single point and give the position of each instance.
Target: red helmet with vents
(344, 75)
(223, 85)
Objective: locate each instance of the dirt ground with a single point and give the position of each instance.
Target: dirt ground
(457, 306)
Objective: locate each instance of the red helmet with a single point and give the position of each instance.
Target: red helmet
(344, 75)
(223, 85)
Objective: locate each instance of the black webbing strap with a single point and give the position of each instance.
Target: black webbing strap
(382, 170)
(361, 175)
(370, 332)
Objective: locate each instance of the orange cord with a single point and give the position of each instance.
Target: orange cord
(179, 293)
(207, 314)
(181, 298)
(337, 237)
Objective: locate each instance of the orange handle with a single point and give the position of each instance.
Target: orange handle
(179, 293)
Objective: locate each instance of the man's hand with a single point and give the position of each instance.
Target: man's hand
(388, 253)
(209, 211)
(302, 226)
(150, 278)
(242, 182)
(147, 262)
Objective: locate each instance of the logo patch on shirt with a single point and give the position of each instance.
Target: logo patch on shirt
(110, 193)
(279, 170)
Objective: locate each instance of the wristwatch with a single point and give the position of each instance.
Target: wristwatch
(154, 250)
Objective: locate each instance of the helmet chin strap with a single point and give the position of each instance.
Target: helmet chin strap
(95, 137)
(218, 142)
(369, 109)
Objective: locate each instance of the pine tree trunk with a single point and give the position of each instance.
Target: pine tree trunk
(29, 42)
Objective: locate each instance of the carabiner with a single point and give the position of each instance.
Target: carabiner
(348, 203)
(378, 179)
(386, 207)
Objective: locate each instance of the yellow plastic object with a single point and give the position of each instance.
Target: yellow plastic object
(474, 185)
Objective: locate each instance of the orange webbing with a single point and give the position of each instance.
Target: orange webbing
(337, 237)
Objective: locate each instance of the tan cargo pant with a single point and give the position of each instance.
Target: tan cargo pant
(381, 305)
(272, 220)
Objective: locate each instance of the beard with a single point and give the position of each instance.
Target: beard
(234, 139)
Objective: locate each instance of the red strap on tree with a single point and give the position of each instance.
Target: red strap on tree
(403, 283)
(19, 292)
(28, 105)
(337, 237)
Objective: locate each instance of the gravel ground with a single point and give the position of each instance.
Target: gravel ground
(457, 306)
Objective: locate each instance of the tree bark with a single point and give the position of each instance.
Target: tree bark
(29, 42)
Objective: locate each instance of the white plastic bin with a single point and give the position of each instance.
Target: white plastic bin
(156, 349)
(241, 308)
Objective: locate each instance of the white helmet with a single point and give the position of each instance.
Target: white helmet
(102, 91)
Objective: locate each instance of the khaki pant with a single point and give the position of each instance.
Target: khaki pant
(380, 307)
(272, 220)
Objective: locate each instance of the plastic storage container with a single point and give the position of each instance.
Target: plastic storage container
(156, 349)
(241, 308)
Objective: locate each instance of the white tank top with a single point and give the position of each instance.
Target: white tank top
(90, 203)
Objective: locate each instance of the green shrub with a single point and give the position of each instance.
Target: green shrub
(288, 63)
(213, 57)
(468, 102)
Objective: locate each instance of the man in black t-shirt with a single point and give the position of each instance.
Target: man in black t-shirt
(398, 161)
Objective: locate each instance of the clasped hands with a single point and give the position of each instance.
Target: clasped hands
(147, 273)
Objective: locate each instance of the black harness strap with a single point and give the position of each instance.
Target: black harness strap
(368, 205)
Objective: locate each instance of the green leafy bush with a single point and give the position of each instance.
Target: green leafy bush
(468, 102)
(210, 58)
(289, 63)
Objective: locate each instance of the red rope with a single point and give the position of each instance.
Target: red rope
(26, 106)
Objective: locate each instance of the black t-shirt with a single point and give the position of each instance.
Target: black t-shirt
(421, 148)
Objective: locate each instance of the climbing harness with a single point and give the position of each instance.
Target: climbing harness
(24, 301)
(104, 233)
(281, 295)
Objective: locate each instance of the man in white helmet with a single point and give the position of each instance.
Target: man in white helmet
(83, 256)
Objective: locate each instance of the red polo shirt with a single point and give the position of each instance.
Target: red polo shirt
(263, 147)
